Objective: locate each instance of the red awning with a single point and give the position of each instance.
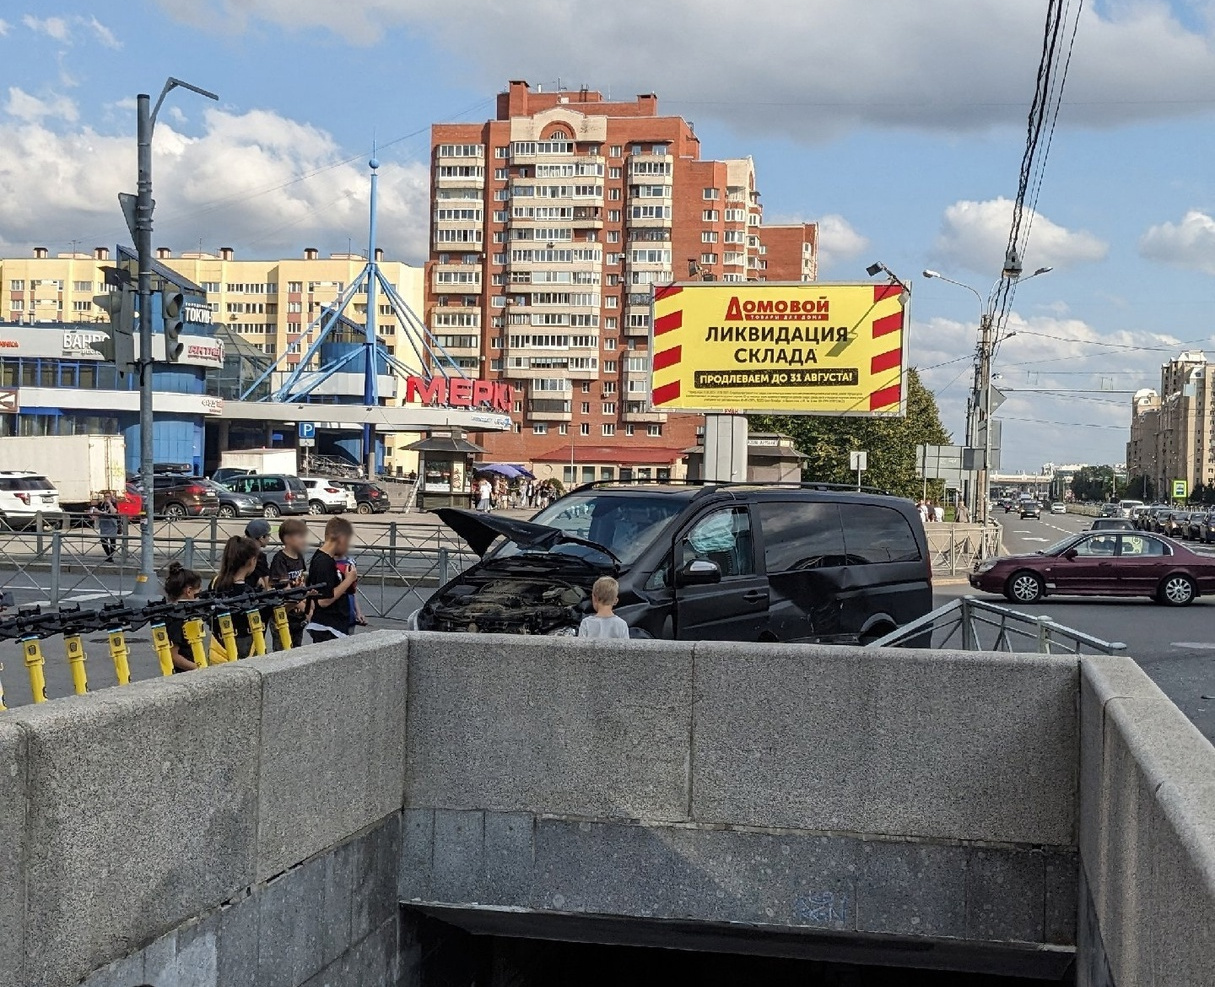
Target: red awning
(628, 455)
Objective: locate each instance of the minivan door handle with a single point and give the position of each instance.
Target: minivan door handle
(755, 595)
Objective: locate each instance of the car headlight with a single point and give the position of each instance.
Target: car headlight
(987, 565)
(564, 632)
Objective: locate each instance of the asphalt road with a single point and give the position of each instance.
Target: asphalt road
(1175, 646)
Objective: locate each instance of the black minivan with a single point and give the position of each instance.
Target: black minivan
(695, 561)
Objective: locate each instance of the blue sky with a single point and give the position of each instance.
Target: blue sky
(898, 125)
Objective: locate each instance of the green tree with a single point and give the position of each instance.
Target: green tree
(1093, 483)
(1141, 488)
(826, 440)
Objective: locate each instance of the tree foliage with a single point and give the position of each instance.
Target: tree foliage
(1093, 483)
(826, 441)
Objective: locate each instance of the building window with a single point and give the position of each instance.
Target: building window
(609, 407)
(710, 193)
(540, 429)
(82, 285)
(708, 258)
(609, 366)
(586, 407)
(609, 344)
(654, 431)
(609, 429)
(16, 286)
(708, 236)
(584, 429)
(563, 429)
(615, 150)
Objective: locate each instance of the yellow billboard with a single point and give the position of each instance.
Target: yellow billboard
(783, 349)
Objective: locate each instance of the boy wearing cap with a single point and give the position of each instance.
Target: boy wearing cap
(259, 531)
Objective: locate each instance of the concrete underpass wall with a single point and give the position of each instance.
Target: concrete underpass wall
(198, 816)
(929, 796)
(1147, 835)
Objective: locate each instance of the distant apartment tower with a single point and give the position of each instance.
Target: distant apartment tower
(1145, 426)
(1173, 430)
(549, 225)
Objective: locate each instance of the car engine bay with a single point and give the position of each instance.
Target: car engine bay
(502, 604)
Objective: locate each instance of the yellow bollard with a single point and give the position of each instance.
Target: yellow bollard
(282, 628)
(227, 635)
(164, 650)
(258, 631)
(120, 654)
(74, 646)
(193, 632)
(31, 647)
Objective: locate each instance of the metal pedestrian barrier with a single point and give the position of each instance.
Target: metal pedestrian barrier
(31, 626)
(970, 624)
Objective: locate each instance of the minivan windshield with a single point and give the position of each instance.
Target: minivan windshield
(625, 525)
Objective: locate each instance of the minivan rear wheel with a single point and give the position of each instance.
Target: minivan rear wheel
(1024, 587)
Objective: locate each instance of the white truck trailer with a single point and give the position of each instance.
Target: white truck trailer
(81, 467)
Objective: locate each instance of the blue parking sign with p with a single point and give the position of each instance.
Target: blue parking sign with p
(307, 430)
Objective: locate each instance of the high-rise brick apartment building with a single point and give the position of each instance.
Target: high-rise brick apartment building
(549, 225)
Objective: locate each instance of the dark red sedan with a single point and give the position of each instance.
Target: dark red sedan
(1102, 563)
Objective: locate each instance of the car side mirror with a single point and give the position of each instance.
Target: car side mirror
(1070, 554)
(698, 572)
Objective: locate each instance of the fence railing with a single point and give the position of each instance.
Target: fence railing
(958, 548)
(969, 624)
(394, 560)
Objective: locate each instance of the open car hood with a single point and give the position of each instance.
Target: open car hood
(479, 530)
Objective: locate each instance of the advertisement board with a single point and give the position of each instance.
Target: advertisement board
(784, 349)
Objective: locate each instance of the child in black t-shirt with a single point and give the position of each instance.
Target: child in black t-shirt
(234, 578)
(288, 569)
(181, 584)
(331, 617)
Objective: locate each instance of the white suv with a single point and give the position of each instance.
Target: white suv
(326, 497)
(23, 495)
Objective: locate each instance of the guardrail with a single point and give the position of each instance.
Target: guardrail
(394, 560)
(958, 548)
(970, 624)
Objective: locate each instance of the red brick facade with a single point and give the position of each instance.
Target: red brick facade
(549, 224)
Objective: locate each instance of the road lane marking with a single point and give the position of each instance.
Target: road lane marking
(1194, 645)
(1035, 539)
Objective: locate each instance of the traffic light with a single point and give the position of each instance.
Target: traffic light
(172, 304)
(119, 305)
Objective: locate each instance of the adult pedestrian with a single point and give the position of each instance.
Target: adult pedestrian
(483, 495)
(105, 514)
(963, 513)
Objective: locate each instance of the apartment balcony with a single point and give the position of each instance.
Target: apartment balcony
(634, 414)
(548, 410)
(639, 163)
(650, 222)
(456, 288)
(588, 218)
(459, 181)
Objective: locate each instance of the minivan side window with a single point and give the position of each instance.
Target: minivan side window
(274, 483)
(801, 535)
(877, 534)
(723, 537)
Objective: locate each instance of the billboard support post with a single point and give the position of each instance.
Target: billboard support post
(726, 447)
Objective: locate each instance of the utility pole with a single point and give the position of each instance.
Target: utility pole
(140, 224)
(986, 346)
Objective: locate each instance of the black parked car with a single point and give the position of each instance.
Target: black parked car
(371, 497)
(715, 561)
(1205, 531)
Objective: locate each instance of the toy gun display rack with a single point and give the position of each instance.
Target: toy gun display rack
(32, 625)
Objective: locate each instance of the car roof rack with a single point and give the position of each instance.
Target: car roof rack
(762, 484)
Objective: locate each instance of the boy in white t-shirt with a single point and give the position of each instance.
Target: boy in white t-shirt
(604, 623)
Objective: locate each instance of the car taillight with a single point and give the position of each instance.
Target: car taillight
(290, 496)
(23, 497)
(196, 490)
(332, 490)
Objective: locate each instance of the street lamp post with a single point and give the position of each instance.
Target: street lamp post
(980, 405)
(139, 219)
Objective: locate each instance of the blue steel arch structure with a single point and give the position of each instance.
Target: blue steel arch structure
(425, 357)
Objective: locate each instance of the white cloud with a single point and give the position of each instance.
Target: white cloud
(838, 241)
(31, 109)
(1052, 370)
(103, 34)
(974, 235)
(233, 185)
(4, 26)
(812, 68)
(55, 28)
(61, 29)
(1189, 243)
